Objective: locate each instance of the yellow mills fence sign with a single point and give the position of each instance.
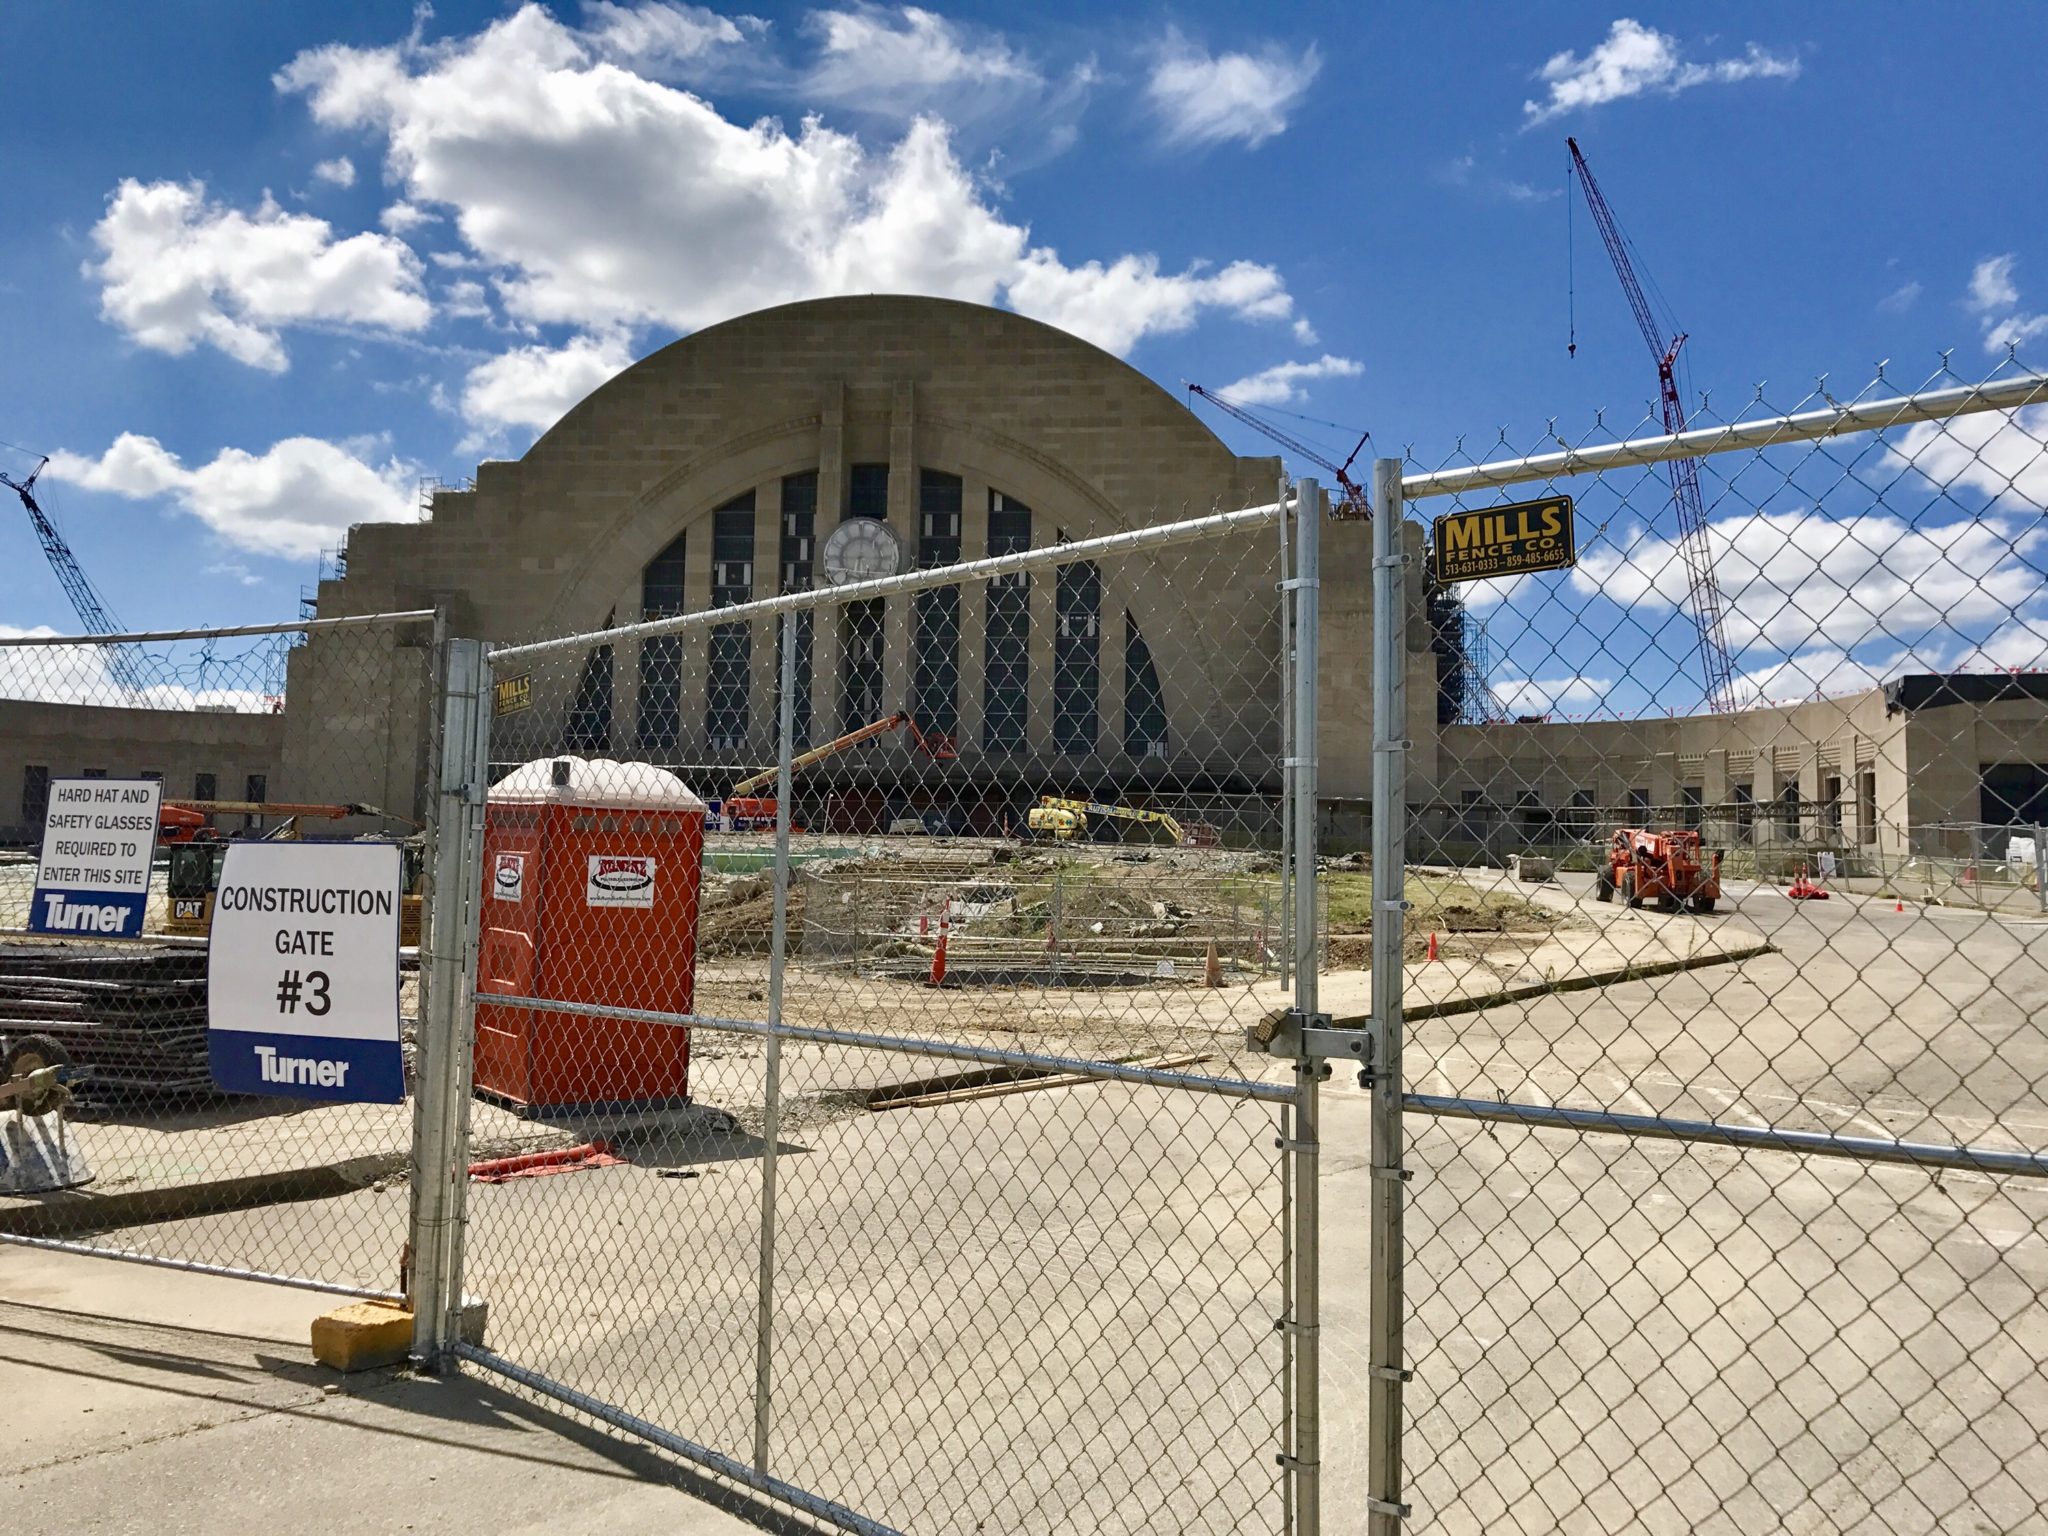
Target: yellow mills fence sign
(1506, 541)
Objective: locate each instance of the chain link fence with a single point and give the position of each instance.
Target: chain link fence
(163, 1165)
(881, 959)
(1726, 1110)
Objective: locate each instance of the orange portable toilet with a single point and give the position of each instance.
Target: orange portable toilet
(591, 876)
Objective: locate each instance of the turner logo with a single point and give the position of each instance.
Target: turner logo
(64, 914)
(619, 880)
(303, 1070)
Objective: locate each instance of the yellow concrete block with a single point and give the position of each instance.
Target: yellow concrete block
(363, 1335)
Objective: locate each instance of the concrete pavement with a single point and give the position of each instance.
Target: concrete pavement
(136, 1400)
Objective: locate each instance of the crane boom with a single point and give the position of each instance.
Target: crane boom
(123, 661)
(1693, 548)
(1355, 503)
(939, 748)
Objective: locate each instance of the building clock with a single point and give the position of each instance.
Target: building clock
(861, 549)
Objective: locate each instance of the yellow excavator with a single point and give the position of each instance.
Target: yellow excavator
(1065, 820)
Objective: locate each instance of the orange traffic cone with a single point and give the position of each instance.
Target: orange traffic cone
(1899, 905)
(1432, 946)
(939, 954)
(1212, 967)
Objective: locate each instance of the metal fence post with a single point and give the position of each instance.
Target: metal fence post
(1385, 1506)
(441, 1082)
(1308, 1069)
(1287, 664)
(2041, 867)
(771, 1092)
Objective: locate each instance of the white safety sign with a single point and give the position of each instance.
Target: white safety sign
(98, 839)
(508, 877)
(302, 972)
(620, 880)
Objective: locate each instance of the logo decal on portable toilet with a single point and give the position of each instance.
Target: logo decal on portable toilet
(620, 880)
(508, 877)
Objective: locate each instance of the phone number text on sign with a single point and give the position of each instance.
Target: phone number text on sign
(302, 972)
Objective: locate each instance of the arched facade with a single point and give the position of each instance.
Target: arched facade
(712, 473)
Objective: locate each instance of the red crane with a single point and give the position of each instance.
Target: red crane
(1355, 503)
(1703, 589)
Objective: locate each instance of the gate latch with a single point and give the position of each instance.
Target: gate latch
(1295, 1035)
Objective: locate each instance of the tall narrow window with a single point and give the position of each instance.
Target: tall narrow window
(1745, 807)
(1076, 657)
(935, 615)
(731, 649)
(203, 787)
(1788, 809)
(1866, 807)
(860, 663)
(1005, 697)
(661, 659)
(1692, 806)
(1144, 703)
(867, 490)
(35, 796)
(799, 568)
(589, 727)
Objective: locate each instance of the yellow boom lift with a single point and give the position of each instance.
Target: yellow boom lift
(1065, 819)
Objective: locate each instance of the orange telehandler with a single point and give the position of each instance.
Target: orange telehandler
(1669, 868)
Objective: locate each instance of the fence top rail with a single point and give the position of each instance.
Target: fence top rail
(1159, 535)
(1733, 437)
(409, 616)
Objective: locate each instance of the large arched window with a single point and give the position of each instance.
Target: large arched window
(1144, 703)
(661, 656)
(1006, 647)
(731, 647)
(1076, 657)
(935, 631)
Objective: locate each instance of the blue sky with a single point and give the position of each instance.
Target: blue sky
(267, 266)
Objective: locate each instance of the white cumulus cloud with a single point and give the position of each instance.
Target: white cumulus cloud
(1549, 695)
(177, 270)
(1208, 98)
(340, 171)
(868, 53)
(659, 34)
(1994, 298)
(84, 674)
(2003, 454)
(1633, 60)
(299, 496)
(534, 386)
(1797, 580)
(1281, 383)
(605, 200)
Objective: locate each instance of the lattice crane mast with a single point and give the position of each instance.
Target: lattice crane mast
(1703, 590)
(123, 662)
(1355, 502)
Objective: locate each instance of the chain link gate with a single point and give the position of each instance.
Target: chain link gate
(1723, 1087)
(907, 1142)
(183, 1175)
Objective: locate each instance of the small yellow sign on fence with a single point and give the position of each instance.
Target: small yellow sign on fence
(512, 694)
(1506, 541)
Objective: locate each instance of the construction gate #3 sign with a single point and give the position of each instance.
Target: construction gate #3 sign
(302, 972)
(99, 836)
